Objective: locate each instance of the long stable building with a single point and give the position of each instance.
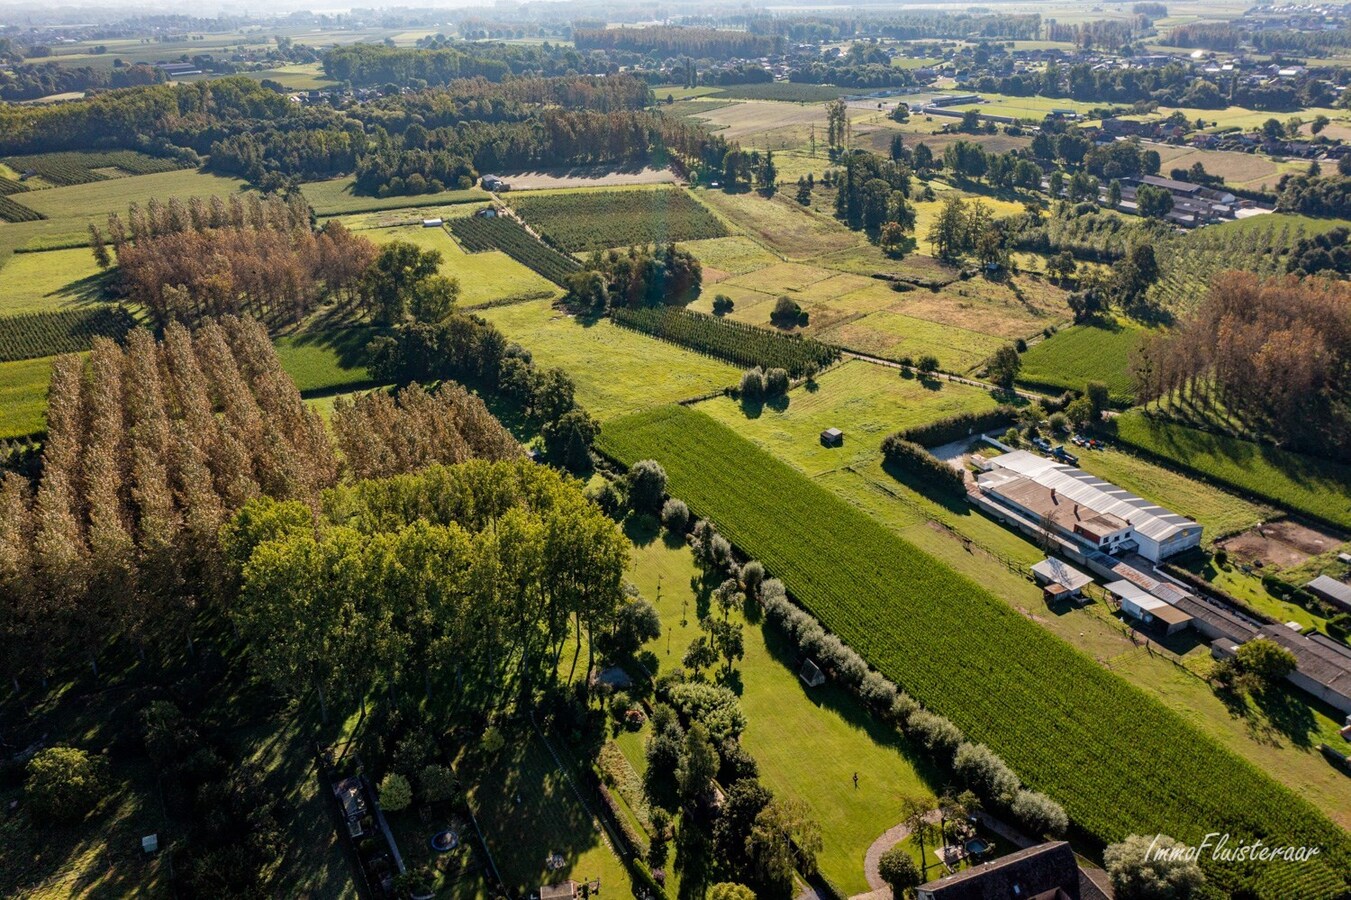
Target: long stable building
(1091, 512)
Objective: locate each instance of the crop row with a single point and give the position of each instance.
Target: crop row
(1074, 356)
(736, 342)
(479, 234)
(10, 186)
(1318, 488)
(64, 169)
(1118, 760)
(36, 335)
(17, 212)
(598, 220)
(1189, 262)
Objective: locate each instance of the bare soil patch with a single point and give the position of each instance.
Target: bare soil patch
(1284, 544)
(602, 176)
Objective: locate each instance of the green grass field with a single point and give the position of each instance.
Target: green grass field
(528, 811)
(335, 197)
(807, 741)
(892, 336)
(594, 219)
(1074, 356)
(484, 277)
(953, 645)
(23, 396)
(48, 281)
(326, 362)
(1303, 484)
(865, 401)
(617, 370)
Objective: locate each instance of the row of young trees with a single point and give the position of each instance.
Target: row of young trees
(189, 262)
(148, 451)
(1273, 353)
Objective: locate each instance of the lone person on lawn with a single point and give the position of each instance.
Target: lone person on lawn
(855, 781)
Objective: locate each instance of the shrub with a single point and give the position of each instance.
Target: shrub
(647, 485)
(877, 692)
(1039, 814)
(917, 461)
(437, 783)
(752, 576)
(1266, 659)
(713, 706)
(753, 383)
(395, 792)
(985, 773)
(736, 763)
(776, 382)
(902, 708)
(1139, 872)
(607, 496)
(954, 428)
(938, 735)
(899, 870)
(64, 784)
(927, 363)
(730, 890)
(675, 515)
(722, 305)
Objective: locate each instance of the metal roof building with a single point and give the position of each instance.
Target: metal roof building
(1022, 478)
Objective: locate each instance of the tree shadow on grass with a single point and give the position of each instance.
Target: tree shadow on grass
(642, 529)
(833, 697)
(87, 291)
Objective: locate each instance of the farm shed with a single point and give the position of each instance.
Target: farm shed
(811, 674)
(1325, 587)
(1051, 571)
(1322, 665)
(431, 223)
(1140, 604)
(1085, 508)
(493, 183)
(832, 437)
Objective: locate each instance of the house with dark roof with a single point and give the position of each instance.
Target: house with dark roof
(1044, 872)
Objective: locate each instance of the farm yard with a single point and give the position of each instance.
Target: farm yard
(598, 219)
(1019, 660)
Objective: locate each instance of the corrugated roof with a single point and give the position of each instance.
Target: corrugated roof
(1062, 573)
(1087, 490)
(1330, 587)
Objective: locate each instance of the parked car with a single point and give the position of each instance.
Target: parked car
(1061, 454)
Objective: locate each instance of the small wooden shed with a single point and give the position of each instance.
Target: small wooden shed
(832, 437)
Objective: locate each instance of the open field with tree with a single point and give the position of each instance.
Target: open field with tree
(617, 370)
(747, 499)
(865, 401)
(485, 277)
(808, 742)
(337, 197)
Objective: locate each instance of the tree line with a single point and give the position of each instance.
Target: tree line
(190, 261)
(677, 40)
(31, 81)
(641, 276)
(151, 448)
(374, 64)
(1275, 354)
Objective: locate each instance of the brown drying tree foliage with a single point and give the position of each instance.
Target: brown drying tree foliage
(382, 435)
(248, 256)
(149, 449)
(1274, 353)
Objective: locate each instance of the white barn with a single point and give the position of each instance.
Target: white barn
(1085, 508)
